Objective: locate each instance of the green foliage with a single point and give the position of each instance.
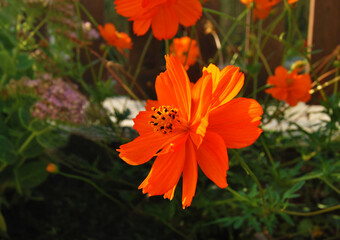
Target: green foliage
(31, 174)
(7, 151)
(6, 63)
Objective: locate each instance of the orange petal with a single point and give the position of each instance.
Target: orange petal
(226, 84)
(165, 23)
(212, 158)
(279, 93)
(299, 89)
(215, 72)
(165, 173)
(101, 31)
(198, 130)
(201, 97)
(141, 122)
(165, 90)
(246, 1)
(110, 29)
(189, 175)
(123, 41)
(237, 122)
(108, 32)
(170, 194)
(201, 101)
(279, 79)
(180, 49)
(292, 101)
(140, 27)
(128, 8)
(188, 12)
(144, 147)
(303, 83)
(151, 103)
(261, 13)
(175, 144)
(173, 87)
(306, 97)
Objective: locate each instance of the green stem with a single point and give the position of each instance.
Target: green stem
(330, 185)
(119, 203)
(295, 23)
(255, 84)
(237, 195)
(142, 56)
(93, 73)
(260, 89)
(219, 13)
(36, 29)
(26, 143)
(265, 64)
(307, 177)
(126, 88)
(250, 172)
(87, 13)
(93, 185)
(289, 32)
(101, 67)
(326, 84)
(230, 31)
(308, 214)
(167, 47)
(214, 23)
(266, 149)
(271, 28)
(28, 140)
(256, 57)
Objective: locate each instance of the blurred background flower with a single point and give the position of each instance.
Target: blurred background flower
(163, 16)
(290, 87)
(185, 50)
(114, 38)
(58, 100)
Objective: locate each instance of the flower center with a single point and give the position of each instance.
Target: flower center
(289, 81)
(164, 118)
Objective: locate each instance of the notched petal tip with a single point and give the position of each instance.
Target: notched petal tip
(170, 194)
(186, 202)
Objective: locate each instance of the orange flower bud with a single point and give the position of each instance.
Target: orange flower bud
(52, 168)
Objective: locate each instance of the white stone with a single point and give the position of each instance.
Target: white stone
(122, 103)
(309, 117)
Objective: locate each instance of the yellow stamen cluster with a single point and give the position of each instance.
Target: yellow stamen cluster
(164, 118)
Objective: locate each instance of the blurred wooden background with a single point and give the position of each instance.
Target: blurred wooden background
(323, 34)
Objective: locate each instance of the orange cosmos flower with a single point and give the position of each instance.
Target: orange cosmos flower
(262, 7)
(180, 48)
(191, 125)
(289, 87)
(114, 38)
(163, 16)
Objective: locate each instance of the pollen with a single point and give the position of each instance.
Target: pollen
(164, 118)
